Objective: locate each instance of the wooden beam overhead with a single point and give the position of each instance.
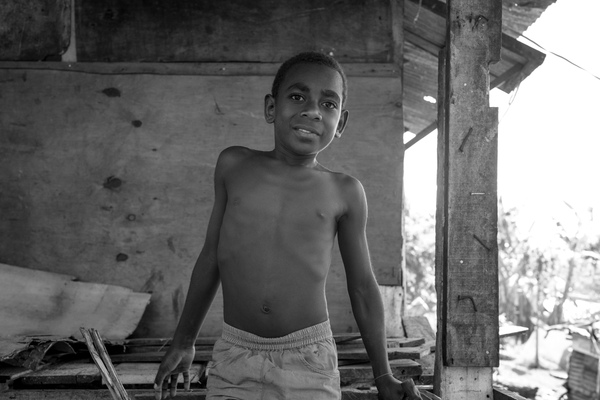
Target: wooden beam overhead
(379, 70)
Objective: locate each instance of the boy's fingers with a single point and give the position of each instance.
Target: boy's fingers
(159, 382)
(173, 385)
(165, 386)
(157, 391)
(186, 380)
(411, 390)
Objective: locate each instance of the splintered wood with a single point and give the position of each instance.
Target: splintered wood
(104, 364)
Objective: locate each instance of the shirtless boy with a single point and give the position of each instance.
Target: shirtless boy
(269, 244)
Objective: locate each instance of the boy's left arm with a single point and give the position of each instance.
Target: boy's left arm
(364, 293)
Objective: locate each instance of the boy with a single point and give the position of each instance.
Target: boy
(269, 243)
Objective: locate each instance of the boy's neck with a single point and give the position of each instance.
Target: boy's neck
(308, 161)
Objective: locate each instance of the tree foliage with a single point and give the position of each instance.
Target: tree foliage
(540, 266)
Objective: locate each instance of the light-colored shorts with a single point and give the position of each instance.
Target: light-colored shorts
(301, 365)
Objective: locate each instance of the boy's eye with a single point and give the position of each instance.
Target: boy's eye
(296, 97)
(330, 105)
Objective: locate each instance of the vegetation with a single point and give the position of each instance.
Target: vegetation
(537, 275)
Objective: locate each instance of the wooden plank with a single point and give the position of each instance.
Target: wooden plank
(392, 296)
(428, 395)
(141, 375)
(440, 222)
(350, 340)
(457, 381)
(503, 394)
(418, 327)
(391, 343)
(363, 373)
(343, 338)
(236, 30)
(35, 30)
(381, 70)
(470, 259)
(36, 302)
(413, 353)
(507, 331)
(156, 356)
(371, 394)
(344, 353)
(95, 394)
(466, 262)
(352, 393)
(583, 374)
(85, 375)
(9, 373)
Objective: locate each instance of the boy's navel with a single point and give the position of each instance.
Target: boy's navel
(266, 309)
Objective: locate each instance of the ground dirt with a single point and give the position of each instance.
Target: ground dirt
(531, 383)
(537, 368)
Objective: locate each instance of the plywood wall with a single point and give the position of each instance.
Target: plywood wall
(108, 176)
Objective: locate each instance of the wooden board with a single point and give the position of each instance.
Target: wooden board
(95, 394)
(42, 303)
(466, 248)
(391, 343)
(136, 375)
(234, 30)
(511, 330)
(108, 177)
(584, 374)
(156, 357)
(70, 374)
(502, 394)
(469, 264)
(363, 373)
(412, 353)
(418, 327)
(34, 30)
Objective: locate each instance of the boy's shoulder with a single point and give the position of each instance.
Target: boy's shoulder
(341, 177)
(349, 186)
(236, 152)
(232, 156)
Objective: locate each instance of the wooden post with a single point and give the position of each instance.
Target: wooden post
(466, 246)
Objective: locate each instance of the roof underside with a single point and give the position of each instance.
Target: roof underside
(424, 36)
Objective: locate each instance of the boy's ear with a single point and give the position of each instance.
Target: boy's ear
(269, 109)
(342, 124)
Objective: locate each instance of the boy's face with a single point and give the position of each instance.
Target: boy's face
(307, 111)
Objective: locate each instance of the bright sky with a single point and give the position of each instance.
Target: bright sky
(549, 135)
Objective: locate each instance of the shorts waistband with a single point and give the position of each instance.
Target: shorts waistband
(303, 337)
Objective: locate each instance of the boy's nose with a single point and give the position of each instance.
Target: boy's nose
(312, 111)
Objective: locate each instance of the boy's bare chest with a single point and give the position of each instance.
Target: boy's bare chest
(287, 199)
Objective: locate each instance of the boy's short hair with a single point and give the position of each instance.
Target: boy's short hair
(310, 57)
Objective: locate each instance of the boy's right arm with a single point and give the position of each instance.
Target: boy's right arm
(203, 287)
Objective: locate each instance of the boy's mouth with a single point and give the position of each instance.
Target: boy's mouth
(306, 131)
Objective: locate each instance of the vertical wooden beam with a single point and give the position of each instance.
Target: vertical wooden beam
(397, 30)
(467, 253)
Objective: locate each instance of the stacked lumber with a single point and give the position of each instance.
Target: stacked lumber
(136, 363)
(583, 380)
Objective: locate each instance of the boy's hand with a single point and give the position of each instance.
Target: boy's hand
(390, 388)
(176, 361)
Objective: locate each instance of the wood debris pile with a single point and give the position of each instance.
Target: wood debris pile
(136, 361)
